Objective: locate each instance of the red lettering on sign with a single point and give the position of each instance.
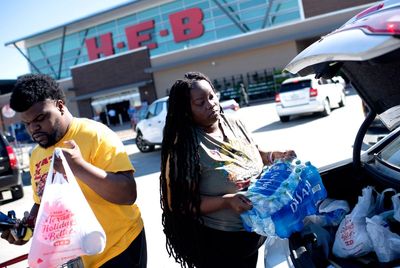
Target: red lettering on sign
(135, 36)
(105, 47)
(187, 24)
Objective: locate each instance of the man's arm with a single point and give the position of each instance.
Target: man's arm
(118, 188)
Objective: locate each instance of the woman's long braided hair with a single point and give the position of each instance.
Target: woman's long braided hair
(180, 174)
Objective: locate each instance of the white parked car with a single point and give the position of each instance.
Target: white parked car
(149, 131)
(303, 95)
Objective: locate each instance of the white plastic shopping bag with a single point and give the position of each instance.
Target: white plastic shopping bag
(66, 226)
(385, 242)
(351, 238)
(277, 253)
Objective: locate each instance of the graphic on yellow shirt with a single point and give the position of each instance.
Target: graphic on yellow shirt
(40, 177)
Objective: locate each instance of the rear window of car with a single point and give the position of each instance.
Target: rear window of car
(295, 86)
(391, 154)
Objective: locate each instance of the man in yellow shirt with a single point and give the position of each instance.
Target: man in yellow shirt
(97, 158)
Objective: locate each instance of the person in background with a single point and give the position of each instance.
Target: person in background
(112, 116)
(97, 158)
(132, 112)
(244, 97)
(207, 162)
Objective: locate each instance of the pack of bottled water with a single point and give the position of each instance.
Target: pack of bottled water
(282, 197)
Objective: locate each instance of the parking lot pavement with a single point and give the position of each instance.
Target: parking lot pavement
(125, 131)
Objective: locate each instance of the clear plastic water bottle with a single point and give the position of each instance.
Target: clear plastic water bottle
(254, 222)
(289, 218)
(272, 178)
(311, 174)
(282, 197)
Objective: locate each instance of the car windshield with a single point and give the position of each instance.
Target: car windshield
(391, 154)
(295, 86)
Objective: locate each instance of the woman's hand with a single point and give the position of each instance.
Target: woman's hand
(237, 202)
(269, 157)
(288, 155)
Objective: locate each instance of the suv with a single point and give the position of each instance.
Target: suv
(10, 173)
(301, 95)
(149, 131)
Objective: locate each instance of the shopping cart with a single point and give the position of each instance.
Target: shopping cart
(8, 222)
(74, 263)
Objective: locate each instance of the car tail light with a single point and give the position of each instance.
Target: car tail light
(385, 23)
(277, 97)
(313, 92)
(12, 157)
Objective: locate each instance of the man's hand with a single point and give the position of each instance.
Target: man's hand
(72, 154)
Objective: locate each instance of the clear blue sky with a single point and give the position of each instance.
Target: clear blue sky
(21, 18)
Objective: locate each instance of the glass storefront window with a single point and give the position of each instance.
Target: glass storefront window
(129, 20)
(34, 53)
(283, 18)
(251, 3)
(207, 37)
(254, 13)
(228, 32)
(148, 14)
(106, 28)
(173, 6)
(40, 63)
(72, 41)
(52, 47)
(222, 21)
(217, 25)
(202, 4)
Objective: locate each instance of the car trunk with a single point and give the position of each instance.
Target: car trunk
(343, 182)
(377, 82)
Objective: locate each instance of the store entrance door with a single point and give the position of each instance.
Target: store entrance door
(118, 113)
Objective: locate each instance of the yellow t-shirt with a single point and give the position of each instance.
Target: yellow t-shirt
(101, 147)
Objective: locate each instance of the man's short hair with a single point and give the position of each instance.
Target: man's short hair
(33, 88)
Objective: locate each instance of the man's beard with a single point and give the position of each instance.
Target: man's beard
(52, 138)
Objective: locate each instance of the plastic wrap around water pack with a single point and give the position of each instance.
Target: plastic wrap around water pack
(282, 197)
